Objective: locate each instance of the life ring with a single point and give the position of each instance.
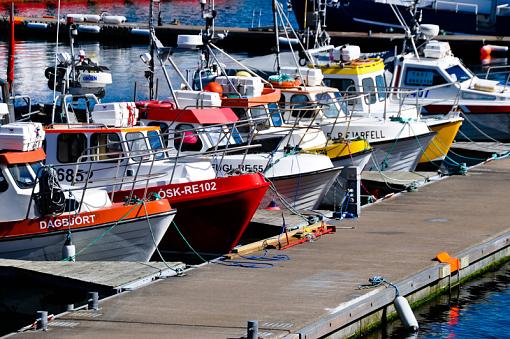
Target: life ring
(359, 63)
(285, 84)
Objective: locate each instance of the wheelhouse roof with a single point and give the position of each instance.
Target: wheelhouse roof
(19, 157)
(95, 128)
(213, 115)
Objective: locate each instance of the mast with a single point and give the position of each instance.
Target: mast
(275, 25)
(150, 74)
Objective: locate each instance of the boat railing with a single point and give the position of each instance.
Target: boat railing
(497, 71)
(159, 147)
(401, 97)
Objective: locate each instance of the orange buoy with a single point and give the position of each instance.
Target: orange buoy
(214, 87)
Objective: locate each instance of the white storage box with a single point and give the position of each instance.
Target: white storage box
(312, 76)
(437, 49)
(194, 99)
(115, 114)
(350, 53)
(21, 136)
(246, 86)
(4, 109)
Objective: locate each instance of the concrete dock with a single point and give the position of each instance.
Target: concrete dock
(315, 292)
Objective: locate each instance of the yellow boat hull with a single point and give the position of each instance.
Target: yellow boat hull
(343, 150)
(440, 145)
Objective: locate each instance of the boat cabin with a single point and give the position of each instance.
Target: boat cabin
(440, 76)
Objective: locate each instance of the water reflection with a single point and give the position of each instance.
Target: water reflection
(230, 13)
(32, 58)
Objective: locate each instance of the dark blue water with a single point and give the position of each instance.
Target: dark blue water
(232, 13)
(478, 309)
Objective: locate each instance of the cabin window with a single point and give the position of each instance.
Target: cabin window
(381, 87)
(415, 76)
(369, 91)
(137, 146)
(458, 73)
(163, 128)
(70, 146)
(477, 96)
(156, 144)
(343, 85)
(187, 139)
(4, 185)
(105, 146)
(22, 175)
(301, 107)
(276, 117)
(329, 104)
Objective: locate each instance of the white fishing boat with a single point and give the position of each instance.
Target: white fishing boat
(300, 179)
(44, 220)
(443, 81)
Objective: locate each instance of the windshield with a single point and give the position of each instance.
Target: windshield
(36, 166)
(220, 136)
(331, 101)
(459, 73)
(22, 175)
(137, 145)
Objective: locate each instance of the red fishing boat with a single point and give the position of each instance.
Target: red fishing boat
(213, 211)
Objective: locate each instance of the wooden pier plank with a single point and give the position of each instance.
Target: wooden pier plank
(395, 238)
(109, 274)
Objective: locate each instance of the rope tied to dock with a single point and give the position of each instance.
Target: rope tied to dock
(377, 281)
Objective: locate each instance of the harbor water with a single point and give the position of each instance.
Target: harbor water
(477, 309)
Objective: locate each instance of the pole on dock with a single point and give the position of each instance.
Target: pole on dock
(253, 329)
(93, 301)
(42, 320)
(150, 75)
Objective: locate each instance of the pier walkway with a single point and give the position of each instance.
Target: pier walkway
(315, 292)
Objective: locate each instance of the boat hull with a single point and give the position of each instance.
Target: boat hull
(482, 123)
(124, 240)
(304, 191)
(398, 155)
(212, 214)
(365, 15)
(440, 145)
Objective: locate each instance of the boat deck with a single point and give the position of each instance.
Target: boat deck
(315, 291)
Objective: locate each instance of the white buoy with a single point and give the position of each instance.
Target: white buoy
(69, 251)
(140, 31)
(405, 313)
(89, 29)
(37, 25)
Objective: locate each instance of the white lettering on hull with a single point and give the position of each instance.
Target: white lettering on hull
(67, 221)
(187, 190)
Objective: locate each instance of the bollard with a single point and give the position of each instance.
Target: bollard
(93, 302)
(253, 329)
(42, 320)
